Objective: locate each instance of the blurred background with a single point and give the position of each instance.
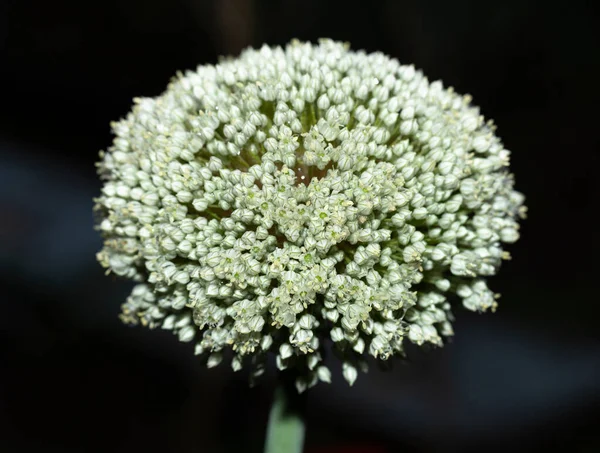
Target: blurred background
(74, 379)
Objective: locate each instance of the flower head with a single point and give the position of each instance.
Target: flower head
(301, 199)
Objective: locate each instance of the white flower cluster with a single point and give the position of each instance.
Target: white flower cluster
(305, 200)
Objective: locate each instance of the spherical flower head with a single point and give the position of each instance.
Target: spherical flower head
(303, 200)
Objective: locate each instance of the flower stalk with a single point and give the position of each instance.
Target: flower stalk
(286, 427)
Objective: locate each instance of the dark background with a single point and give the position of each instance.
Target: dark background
(73, 379)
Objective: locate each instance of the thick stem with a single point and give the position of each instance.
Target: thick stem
(285, 432)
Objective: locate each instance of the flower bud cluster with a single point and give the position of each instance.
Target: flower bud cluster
(303, 200)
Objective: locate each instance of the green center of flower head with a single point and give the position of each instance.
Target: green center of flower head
(302, 199)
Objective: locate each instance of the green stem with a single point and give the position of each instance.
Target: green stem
(285, 432)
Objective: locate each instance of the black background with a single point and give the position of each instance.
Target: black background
(73, 379)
